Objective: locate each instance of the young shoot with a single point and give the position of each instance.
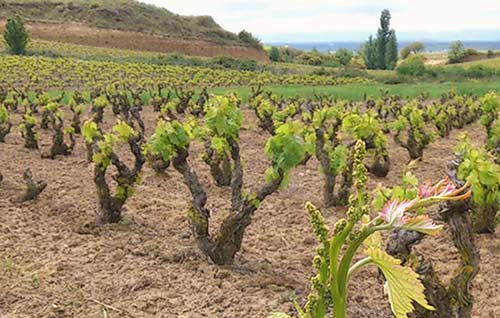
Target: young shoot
(361, 231)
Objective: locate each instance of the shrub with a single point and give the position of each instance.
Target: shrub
(412, 48)
(458, 73)
(248, 65)
(413, 65)
(248, 38)
(366, 127)
(16, 37)
(344, 56)
(479, 71)
(457, 52)
(330, 63)
(225, 62)
(471, 52)
(331, 154)
(310, 58)
(274, 54)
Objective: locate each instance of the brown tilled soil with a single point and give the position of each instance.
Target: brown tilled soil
(78, 33)
(55, 263)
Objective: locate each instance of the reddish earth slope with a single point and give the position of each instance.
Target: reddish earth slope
(78, 33)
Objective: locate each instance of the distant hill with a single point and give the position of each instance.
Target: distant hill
(190, 33)
(127, 15)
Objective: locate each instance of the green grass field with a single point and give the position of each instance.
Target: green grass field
(492, 63)
(358, 91)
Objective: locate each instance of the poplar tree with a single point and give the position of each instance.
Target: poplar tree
(382, 52)
(391, 51)
(370, 53)
(383, 34)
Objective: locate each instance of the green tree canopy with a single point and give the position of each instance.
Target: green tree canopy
(383, 34)
(344, 56)
(381, 52)
(369, 52)
(391, 51)
(274, 54)
(16, 37)
(248, 38)
(457, 52)
(412, 48)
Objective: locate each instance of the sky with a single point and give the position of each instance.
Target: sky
(352, 20)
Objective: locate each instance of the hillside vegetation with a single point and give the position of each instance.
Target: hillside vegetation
(493, 63)
(126, 15)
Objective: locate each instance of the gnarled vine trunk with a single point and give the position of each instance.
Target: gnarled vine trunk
(415, 149)
(110, 206)
(30, 137)
(46, 116)
(220, 165)
(33, 187)
(346, 184)
(380, 166)
(4, 130)
(59, 147)
(76, 123)
(158, 164)
(184, 96)
(222, 248)
(329, 197)
(485, 218)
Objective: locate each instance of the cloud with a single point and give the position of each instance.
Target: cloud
(277, 18)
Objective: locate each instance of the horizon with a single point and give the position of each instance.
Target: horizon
(404, 41)
(429, 46)
(334, 21)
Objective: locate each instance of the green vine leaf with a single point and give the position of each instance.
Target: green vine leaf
(4, 115)
(90, 131)
(286, 148)
(402, 286)
(124, 131)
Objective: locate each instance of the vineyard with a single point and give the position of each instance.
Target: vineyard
(70, 73)
(156, 164)
(129, 190)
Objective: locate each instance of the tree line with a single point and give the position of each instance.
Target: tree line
(381, 52)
